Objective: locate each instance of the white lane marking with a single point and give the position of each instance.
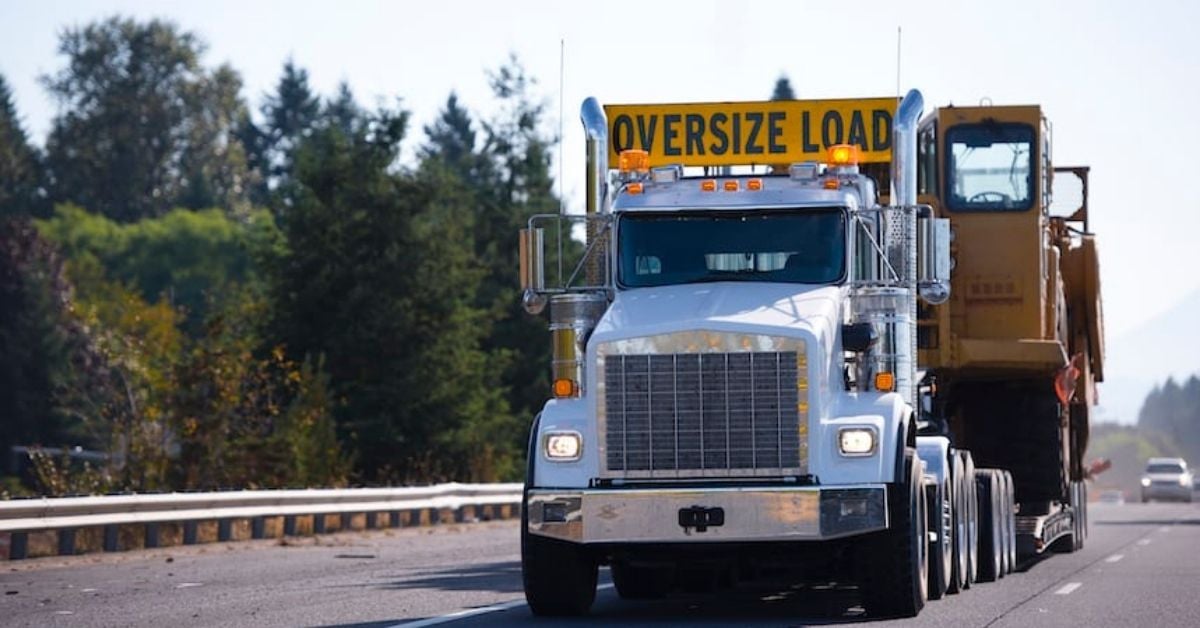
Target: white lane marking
(1144, 542)
(472, 612)
(1165, 529)
(1114, 558)
(188, 585)
(1068, 588)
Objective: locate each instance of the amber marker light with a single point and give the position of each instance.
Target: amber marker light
(754, 185)
(708, 185)
(843, 155)
(634, 188)
(564, 387)
(831, 183)
(633, 160)
(885, 382)
(731, 186)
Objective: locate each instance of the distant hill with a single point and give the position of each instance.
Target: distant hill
(1167, 345)
(1128, 447)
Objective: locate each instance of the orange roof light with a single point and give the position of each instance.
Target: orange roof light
(708, 185)
(731, 185)
(634, 160)
(634, 188)
(844, 155)
(754, 185)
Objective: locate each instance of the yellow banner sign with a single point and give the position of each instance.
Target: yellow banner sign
(737, 133)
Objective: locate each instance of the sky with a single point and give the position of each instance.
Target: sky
(1116, 79)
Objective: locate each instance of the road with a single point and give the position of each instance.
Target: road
(1141, 566)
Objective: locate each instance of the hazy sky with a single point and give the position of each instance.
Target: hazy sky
(1116, 79)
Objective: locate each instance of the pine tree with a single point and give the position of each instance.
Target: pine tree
(290, 114)
(20, 164)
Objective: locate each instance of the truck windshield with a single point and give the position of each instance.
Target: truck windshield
(794, 246)
(988, 167)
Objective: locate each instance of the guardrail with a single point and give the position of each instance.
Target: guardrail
(68, 515)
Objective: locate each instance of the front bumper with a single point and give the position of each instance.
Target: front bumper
(1167, 491)
(656, 515)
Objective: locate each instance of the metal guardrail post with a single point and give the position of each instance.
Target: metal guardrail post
(258, 528)
(318, 524)
(112, 538)
(289, 525)
(151, 535)
(190, 532)
(224, 529)
(66, 542)
(18, 546)
(346, 521)
(371, 522)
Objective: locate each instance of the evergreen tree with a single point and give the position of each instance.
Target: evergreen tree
(783, 89)
(143, 126)
(342, 111)
(290, 114)
(20, 164)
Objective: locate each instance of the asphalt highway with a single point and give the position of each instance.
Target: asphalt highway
(1140, 567)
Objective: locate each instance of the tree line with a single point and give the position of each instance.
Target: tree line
(216, 295)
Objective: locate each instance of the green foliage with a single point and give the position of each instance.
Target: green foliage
(21, 177)
(188, 257)
(1128, 448)
(144, 127)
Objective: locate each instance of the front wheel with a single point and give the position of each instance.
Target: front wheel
(895, 564)
(641, 583)
(559, 577)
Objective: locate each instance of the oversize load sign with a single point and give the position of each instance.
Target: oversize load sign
(769, 132)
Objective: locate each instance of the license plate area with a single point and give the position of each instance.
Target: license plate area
(701, 518)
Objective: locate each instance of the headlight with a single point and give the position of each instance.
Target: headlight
(1185, 480)
(563, 446)
(1145, 481)
(856, 441)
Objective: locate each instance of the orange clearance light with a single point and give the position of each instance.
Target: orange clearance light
(843, 155)
(708, 185)
(731, 186)
(831, 183)
(885, 382)
(564, 388)
(754, 185)
(634, 188)
(634, 160)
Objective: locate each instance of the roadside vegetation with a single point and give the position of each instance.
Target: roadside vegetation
(200, 291)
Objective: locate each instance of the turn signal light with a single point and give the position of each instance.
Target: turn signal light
(754, 185)
(831, 183)
(634, 188)
(885, 382)
(564, 387)
(708, 185)
(731, 186)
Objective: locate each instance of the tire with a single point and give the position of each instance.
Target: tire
(973, 524)
(940, 510)
(1011, 536)
(1073, 541)
(959, 537)
(894, 568)
(988, 493)
(640, 583)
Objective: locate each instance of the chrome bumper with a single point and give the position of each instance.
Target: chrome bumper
(745, 514)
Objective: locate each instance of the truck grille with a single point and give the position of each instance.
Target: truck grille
(703, 415)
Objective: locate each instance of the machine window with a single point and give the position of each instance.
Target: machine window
(802, 246)
(989, 167)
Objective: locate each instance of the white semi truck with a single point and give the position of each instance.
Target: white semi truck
(736, 388)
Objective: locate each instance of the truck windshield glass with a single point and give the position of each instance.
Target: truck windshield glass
(658, 249)
(988, 167)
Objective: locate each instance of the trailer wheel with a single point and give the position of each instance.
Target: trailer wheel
(988, 492)
(959, 535)
(940, 510)
(640, 583)
(1002, 502)
(1010, 521)
(973, 522)
(894, 571)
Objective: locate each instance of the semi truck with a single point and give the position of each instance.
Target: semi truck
(820, 341)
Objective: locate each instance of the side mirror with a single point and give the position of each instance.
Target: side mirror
(859, 337)
(533, 279)
(933, 259)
